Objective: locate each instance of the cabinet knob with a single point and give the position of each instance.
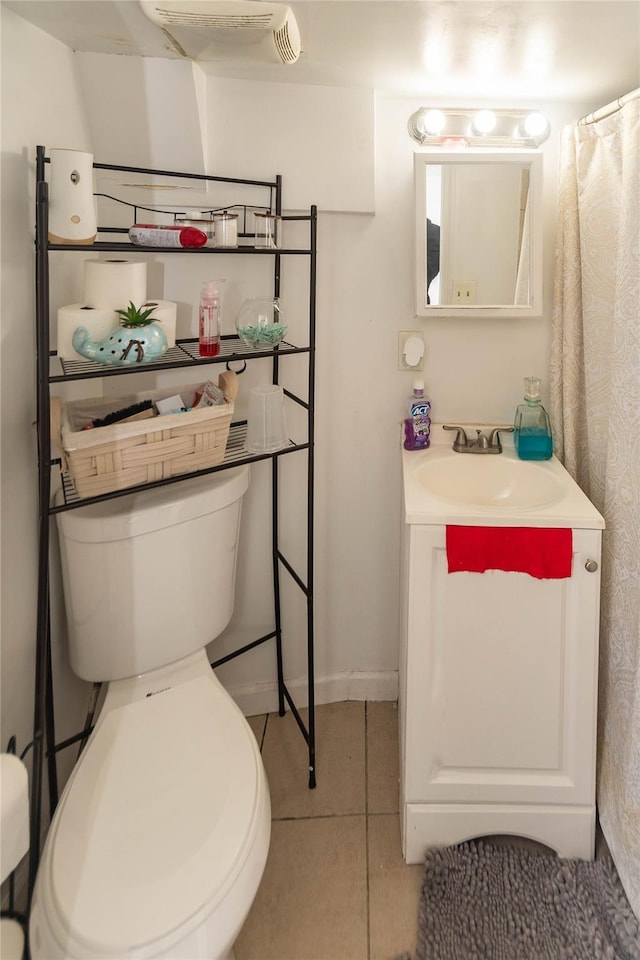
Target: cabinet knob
(591, 566)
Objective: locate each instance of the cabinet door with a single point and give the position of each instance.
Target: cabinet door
(501, 679)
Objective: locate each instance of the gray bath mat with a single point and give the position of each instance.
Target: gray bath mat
(486, 902)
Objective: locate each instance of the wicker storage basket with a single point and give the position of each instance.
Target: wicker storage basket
(123, 455)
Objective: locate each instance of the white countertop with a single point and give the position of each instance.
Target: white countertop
(571, 509)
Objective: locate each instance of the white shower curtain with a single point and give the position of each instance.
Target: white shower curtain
(595, 389)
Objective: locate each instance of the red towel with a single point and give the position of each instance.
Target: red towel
(542, 552)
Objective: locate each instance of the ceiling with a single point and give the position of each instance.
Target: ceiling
(515, 50)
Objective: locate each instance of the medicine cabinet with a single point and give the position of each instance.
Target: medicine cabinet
(478, 233)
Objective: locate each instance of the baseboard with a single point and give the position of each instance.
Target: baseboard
(258, 698)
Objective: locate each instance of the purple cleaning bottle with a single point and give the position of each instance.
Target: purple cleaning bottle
(417, 426)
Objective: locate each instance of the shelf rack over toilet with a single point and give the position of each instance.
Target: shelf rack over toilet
(51, 369)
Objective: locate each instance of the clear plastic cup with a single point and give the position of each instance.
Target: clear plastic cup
(267, 230)
(266, 426)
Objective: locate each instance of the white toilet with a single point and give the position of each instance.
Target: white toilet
(159, 841)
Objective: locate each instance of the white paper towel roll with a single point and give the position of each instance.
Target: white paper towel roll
(99, 323)
(72, 209)
(14, 814)
(114, 283)
(165, 311)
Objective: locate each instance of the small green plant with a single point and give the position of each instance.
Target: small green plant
(136, 316)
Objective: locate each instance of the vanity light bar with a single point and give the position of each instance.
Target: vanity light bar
(452, 128)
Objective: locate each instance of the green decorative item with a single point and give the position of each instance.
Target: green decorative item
(260, 324)
(121, 349)
(136, 316)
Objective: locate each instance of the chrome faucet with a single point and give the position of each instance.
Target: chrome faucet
(479, 444)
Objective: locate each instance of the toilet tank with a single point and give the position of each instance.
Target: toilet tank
(149, 578)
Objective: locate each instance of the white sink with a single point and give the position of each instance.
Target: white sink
(444, 487)
(489, 480)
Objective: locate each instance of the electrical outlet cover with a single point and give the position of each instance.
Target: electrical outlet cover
(465, 293)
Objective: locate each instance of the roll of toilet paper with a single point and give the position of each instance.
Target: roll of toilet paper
(114, 284)
(165, 312)
(72, 209)
(99, 323)
(14, 814)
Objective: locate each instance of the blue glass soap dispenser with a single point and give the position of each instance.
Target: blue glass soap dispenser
(532, 427)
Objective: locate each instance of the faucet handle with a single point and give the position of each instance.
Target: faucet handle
(461, 440)
(494, 436)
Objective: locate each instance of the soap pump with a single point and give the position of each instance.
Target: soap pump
(532, 427)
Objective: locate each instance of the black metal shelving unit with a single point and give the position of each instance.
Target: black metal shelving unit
(51, 369)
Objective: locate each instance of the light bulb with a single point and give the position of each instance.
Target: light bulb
(466, 127)
(432, 122)
(536, 125)
(483, 123)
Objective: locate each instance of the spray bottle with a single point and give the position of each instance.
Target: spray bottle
(209, 319)
(157, 235)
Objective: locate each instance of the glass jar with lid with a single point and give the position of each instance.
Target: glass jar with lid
(199, 220)
(225, 229)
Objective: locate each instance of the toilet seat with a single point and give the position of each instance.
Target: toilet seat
(161, 815)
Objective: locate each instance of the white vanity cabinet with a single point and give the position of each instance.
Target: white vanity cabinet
(498, 698)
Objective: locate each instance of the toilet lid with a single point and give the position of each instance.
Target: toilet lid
(153, 509)
(159, 819)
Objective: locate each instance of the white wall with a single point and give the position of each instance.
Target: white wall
(322, 136)
(473, 370)
(41, 104)
(142, 111)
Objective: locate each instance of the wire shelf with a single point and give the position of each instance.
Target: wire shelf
(185, 353)
(236, 453)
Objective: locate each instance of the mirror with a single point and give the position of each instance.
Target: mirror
(478, 233)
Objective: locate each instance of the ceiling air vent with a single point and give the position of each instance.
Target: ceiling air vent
(287, 41)
(228, 29)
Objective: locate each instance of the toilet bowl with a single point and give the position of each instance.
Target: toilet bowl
(159, 841)
(160, 838)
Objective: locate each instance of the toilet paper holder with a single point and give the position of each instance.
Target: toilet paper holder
(14, 824)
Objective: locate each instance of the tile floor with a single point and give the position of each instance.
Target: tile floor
(335, 886)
